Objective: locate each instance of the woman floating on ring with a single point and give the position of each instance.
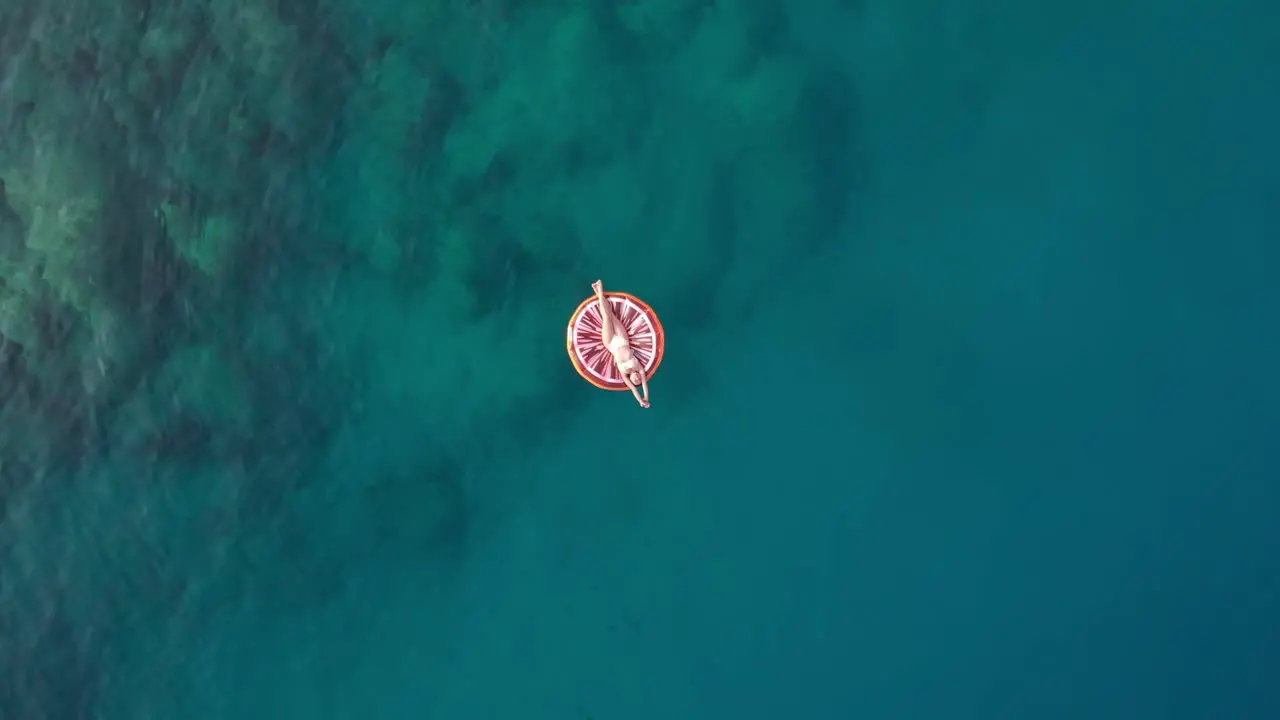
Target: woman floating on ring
(615, 339)
(615, 342)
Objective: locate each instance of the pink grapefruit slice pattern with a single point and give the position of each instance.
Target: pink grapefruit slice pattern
(586, 347)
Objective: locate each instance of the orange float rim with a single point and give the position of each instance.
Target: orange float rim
(659, 341)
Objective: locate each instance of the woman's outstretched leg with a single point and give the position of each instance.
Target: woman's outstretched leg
(607, 322)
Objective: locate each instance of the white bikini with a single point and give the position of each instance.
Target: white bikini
(617, 345)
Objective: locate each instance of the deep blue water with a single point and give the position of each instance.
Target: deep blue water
(968, 410)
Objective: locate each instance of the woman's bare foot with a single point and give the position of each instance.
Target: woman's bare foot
(598, 286)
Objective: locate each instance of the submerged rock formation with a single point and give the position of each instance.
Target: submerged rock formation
(232, 234)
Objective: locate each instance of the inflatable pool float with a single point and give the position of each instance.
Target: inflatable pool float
(586, 345)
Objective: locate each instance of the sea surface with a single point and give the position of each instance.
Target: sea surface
(969, 406)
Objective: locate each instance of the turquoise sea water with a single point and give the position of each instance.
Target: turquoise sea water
(968, 408)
